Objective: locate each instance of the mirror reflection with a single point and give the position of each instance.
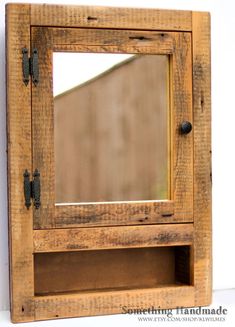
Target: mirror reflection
(111, 127)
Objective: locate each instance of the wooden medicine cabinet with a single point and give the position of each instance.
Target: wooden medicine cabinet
(109, 175)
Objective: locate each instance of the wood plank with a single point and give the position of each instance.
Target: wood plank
(202, 158)
(114, 41)
(43, 138)
(59, 240)
(181, 145)
(110, 17)
(90, 304)
(121, 213)
(19, 159)
(163, 41)
(133, 49)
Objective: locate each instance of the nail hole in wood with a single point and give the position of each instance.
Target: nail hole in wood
(143, 219)
(202, 102)
(141, 38)
(167, 214)
(22, 309)
(90, 18)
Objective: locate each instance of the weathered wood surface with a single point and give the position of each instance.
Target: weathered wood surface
(19, 158)
(110, 302)
(114, 214)
(43, 129)
(59, 240)
(110, 17)
(161, 41)
(111, 41)
(202, 159)
(181, 145)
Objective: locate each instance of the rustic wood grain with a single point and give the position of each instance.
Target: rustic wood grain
(182, 145)
(58, 240)
(19, 159)
(202, 158)
(121, 213)
(90, 304)
(43, 129)
(110, 17)
(111, 41)
(163, 41)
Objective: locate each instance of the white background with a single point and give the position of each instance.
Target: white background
(223, 124)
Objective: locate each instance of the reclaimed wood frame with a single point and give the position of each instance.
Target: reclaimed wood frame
(23, 242)
(178, 207)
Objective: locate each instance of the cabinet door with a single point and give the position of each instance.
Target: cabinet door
(107, 119)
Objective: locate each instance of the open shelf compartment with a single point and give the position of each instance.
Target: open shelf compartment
(112, 269)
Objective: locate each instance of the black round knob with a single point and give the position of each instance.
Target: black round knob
(186, 127)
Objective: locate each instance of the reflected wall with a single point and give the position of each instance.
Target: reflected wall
(111, 131)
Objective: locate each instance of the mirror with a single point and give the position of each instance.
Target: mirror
(111, 127)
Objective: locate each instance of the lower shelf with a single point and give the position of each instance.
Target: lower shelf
(110, 270)
(109, 302)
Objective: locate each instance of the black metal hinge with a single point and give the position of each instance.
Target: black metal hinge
(30, 66)
(32, 189)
